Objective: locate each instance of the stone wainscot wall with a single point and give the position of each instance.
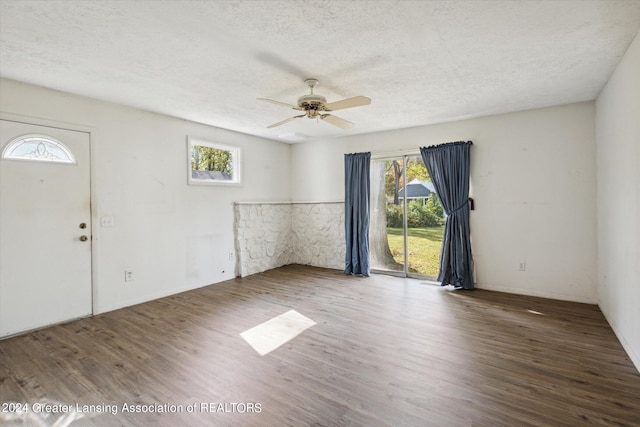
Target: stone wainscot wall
(273, 234)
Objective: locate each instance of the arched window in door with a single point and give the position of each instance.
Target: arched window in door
(38, 148)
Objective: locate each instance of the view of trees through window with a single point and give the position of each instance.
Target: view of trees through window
(212, 163)
(391, 181)
(211, 159)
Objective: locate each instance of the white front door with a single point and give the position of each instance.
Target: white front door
(45, 227)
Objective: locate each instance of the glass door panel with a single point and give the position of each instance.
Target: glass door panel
(386, 235)
(406, 218)
(425, 220)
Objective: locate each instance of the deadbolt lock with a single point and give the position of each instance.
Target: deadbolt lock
(83, 225)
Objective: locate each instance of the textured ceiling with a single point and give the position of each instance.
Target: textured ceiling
(421, 62)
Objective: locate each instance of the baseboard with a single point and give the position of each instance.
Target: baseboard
(635, 358)
(149, 297)
(531, 293)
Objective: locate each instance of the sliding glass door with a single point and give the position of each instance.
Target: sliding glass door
(407, 219)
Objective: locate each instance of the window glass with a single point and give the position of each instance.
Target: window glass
(212, 163)
(38, 148)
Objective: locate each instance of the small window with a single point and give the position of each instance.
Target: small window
(38, 148)
(212, 163)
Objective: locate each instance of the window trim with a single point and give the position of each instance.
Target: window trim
(236, 163)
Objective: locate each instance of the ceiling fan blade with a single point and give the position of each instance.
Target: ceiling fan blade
(337, 121)
(356, 101)
(285, 121)
(283, 104)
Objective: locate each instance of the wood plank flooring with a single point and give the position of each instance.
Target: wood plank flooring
(385, 352)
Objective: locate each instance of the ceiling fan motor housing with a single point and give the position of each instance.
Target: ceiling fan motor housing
(312, 104)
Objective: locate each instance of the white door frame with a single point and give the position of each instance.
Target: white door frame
(92, 131)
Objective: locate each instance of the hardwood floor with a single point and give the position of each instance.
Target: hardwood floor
(385, 352)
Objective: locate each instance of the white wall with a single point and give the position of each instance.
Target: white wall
(173, 236)
(618, 166)
(534, 182)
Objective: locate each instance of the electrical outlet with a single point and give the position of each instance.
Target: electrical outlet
(522, 266)
(128, 275)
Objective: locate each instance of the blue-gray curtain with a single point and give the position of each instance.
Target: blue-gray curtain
(448, 166)
(356, 212)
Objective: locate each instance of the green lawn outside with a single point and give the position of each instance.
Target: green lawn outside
(424, 248)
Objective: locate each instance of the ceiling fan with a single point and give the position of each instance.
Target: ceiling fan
(316, 106)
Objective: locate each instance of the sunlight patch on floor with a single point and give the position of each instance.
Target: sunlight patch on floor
(271, 334)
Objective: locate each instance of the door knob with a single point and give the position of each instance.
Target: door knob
(83, 238)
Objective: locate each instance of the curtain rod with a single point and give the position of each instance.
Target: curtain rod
(398, 153)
